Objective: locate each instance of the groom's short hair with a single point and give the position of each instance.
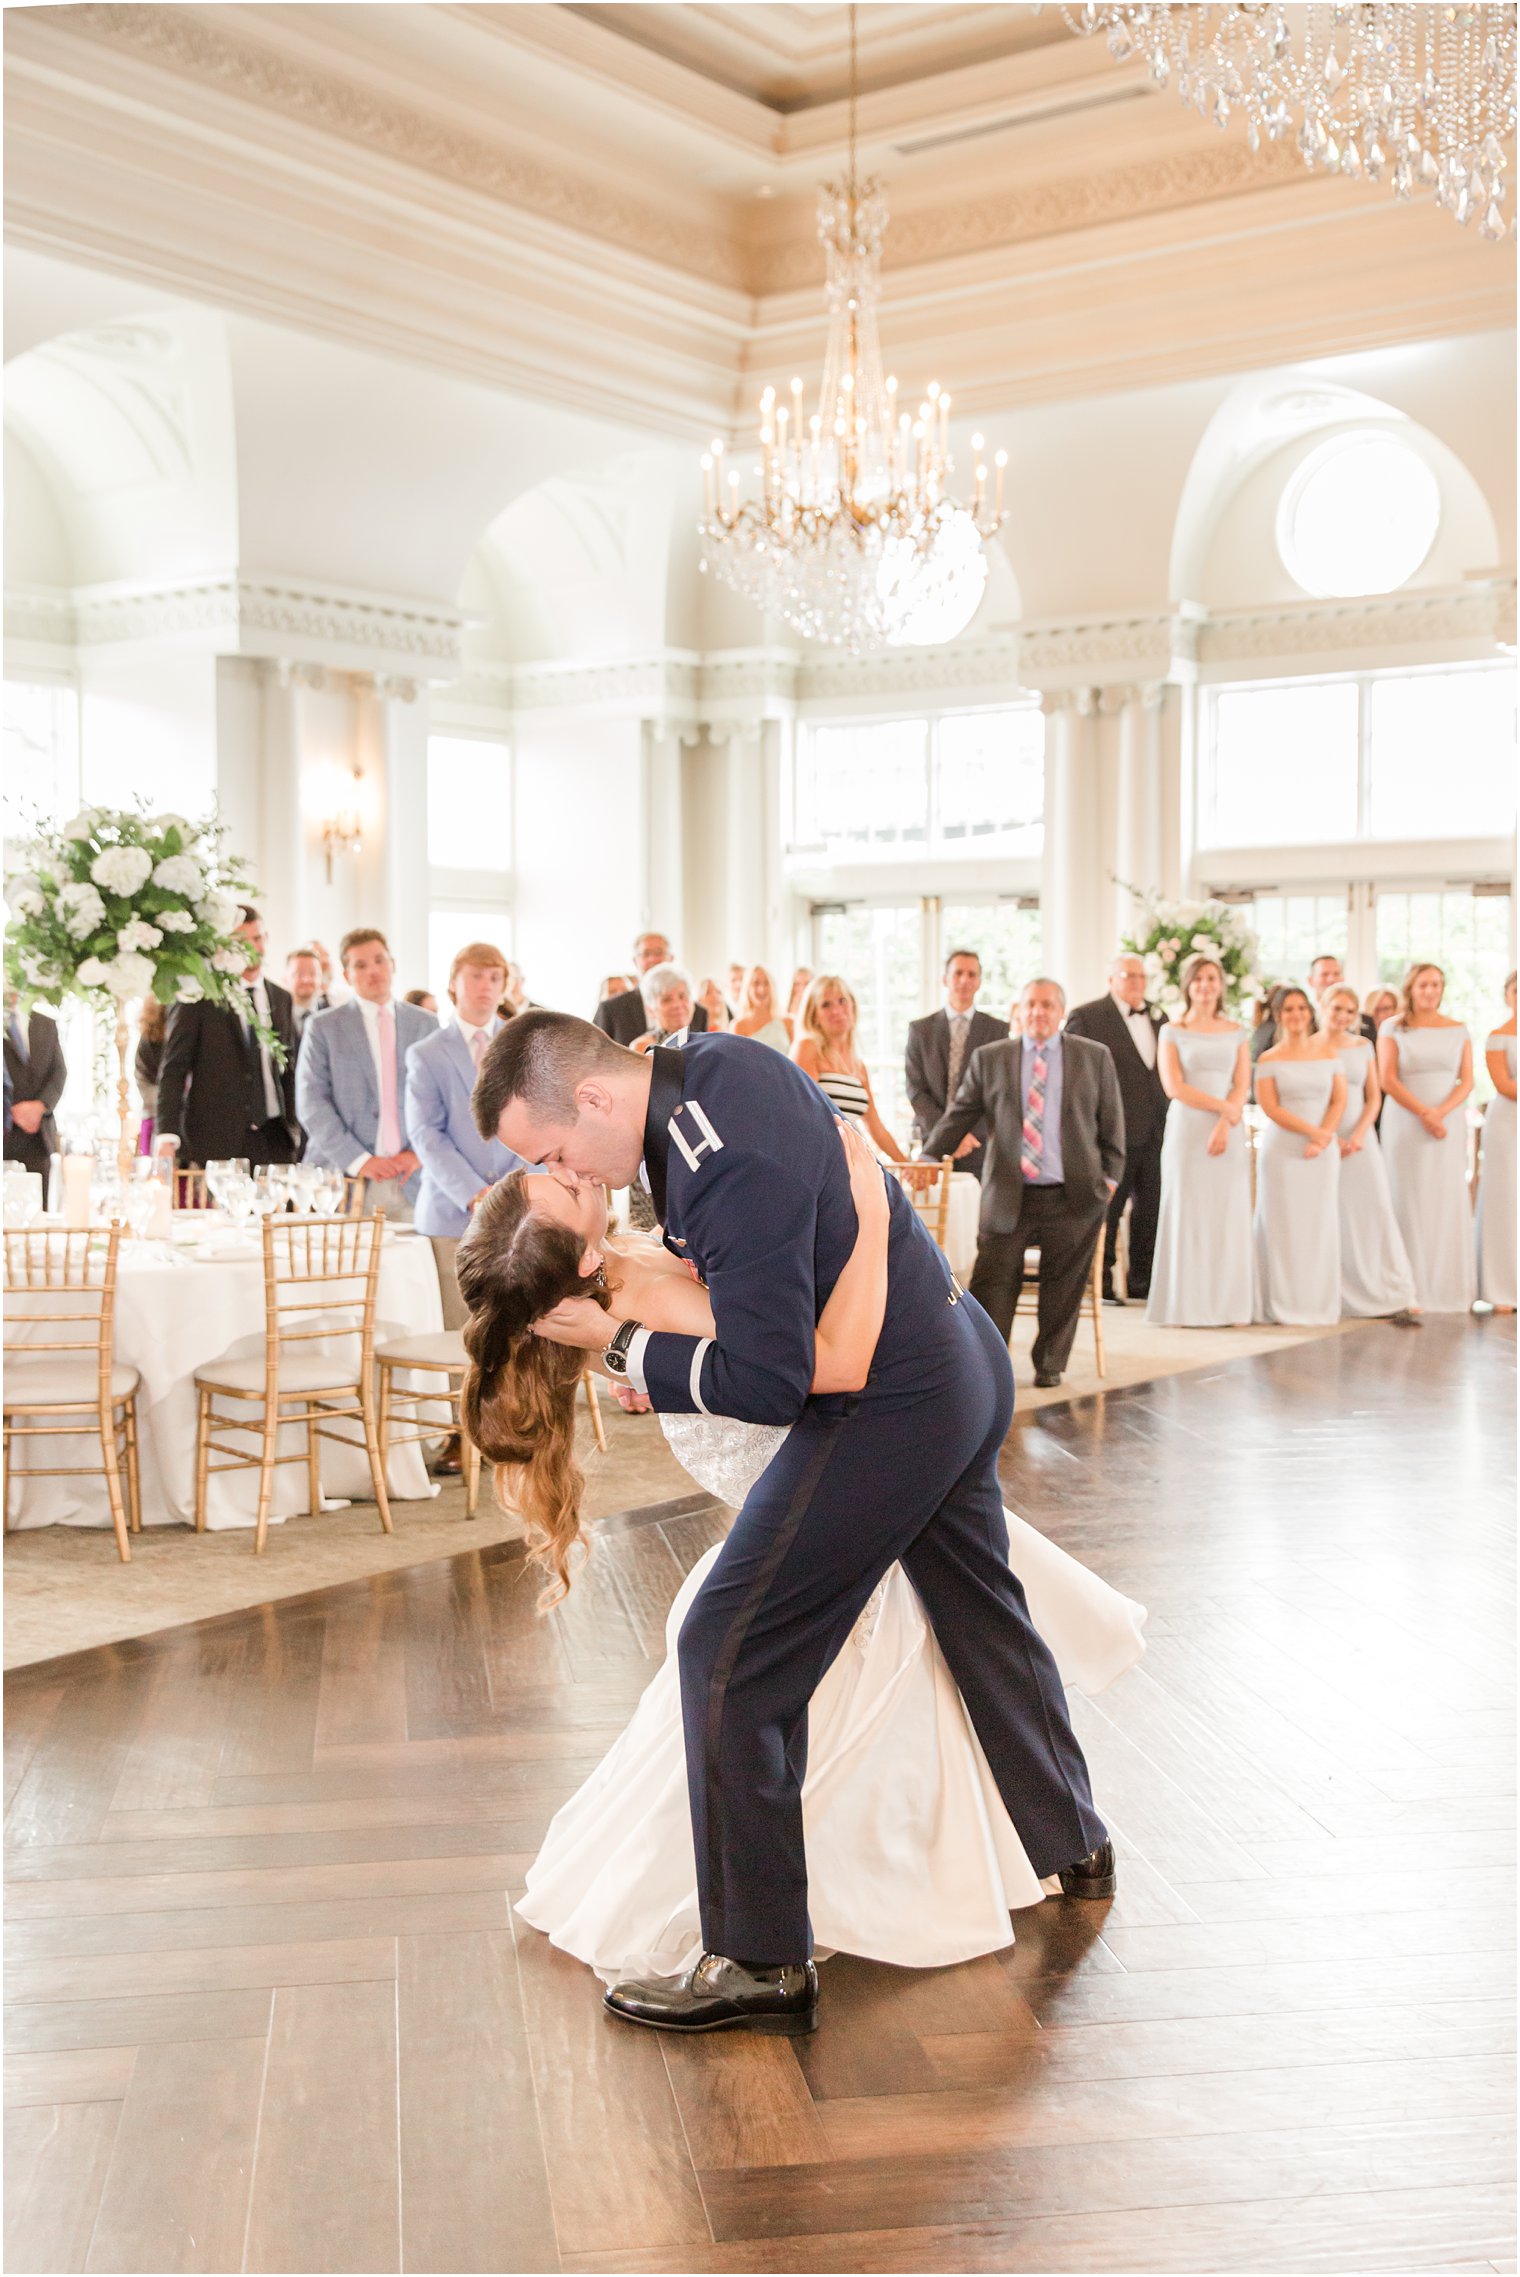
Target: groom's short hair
(539, 1057)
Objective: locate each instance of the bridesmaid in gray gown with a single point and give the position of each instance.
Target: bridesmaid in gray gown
(1496, 1185)
(1425, 1063)
(1302, 1092)
(1203, 1275)
(1377, 1282)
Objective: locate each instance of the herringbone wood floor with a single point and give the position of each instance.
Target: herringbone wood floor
(269, 2009)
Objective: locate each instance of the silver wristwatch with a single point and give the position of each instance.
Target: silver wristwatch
(615, 1357)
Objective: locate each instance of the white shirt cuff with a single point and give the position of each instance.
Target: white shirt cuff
(356, 1167)
(634, 1373)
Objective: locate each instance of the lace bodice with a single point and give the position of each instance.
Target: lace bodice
(725, 1457)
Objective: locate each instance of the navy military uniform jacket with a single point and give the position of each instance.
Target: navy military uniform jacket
(750, 1181)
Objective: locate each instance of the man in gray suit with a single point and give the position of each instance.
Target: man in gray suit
(1055, 1153)
(939, 1052)
(351, 1078)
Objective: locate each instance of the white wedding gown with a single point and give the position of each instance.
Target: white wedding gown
(912, 1857)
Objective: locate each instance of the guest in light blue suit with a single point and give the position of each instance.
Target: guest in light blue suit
(458, 1165)
(350, 1080)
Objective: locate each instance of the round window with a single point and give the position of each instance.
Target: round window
(1359, 516)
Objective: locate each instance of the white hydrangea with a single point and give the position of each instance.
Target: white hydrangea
(122, 869)
(179, 873)
(138, 935)
(189, 990)
(82, 910)
(25, 895)
(84, 825)
(129, 975)
(229, 960)
(173, 822)
(92, 974)
(176, 921)
(219, 910)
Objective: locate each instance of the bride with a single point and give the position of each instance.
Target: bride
(912, 1856)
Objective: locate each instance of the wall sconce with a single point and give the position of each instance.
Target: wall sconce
(342, 829)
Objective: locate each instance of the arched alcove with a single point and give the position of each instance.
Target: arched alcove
(1266, 437)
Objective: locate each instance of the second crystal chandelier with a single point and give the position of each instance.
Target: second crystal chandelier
(851, 533)
(1418, 96)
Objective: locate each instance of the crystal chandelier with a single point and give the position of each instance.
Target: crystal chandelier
(1422, 95)
(851, 534)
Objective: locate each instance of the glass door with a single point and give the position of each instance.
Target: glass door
(1469, 932)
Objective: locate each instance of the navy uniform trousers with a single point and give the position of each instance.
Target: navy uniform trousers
(856, 1485)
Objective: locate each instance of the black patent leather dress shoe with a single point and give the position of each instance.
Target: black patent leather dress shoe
(719, 1995)
(1095, 1876)
(1046, 1379)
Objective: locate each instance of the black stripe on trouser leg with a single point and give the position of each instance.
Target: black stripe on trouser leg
(723, 1668)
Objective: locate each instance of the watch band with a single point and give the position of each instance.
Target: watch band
(615, 1357)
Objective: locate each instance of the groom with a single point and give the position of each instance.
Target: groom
(750, 1182)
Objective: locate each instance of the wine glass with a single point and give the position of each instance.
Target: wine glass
(139, 1204)
(327, 1194)
(236, 1196)
(305, 1177)
(264, 1194)
(23, 1197)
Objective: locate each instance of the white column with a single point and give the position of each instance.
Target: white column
(745, 865)
(1138, 832)
(401, 765)
(663, 901)
(1073, 901)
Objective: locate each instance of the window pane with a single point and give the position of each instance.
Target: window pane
(991, 780)
(1443, 755)
(41, 755)
(866, 786)
(1295, 928)
(1359, 516)
(1468, 935)
(879, 951)
(469, 805)
(1283, 767)
(1005, 937)
(448, 931)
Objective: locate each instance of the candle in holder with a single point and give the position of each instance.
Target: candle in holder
(78, 1169)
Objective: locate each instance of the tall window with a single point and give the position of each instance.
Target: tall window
(1468, 935)
(41, 755)
(1005, 935)
(469, 787)
(970, 782)
(1377, 756)
(1295, 928)
(878, 948)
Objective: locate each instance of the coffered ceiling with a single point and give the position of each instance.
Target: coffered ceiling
(612, 205)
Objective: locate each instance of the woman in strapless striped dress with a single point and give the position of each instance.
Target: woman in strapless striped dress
(825, 1049)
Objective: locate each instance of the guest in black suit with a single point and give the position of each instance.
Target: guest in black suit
(36, 1072)
(939, 1052)
(1055, 1153)
(624, 1018)
(1129, 1027)
(219, 1091)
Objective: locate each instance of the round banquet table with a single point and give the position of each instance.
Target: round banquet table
(179, 1306)
(960, 1231)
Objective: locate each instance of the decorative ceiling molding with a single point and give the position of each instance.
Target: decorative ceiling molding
(1470, 614)
(180, 41)
(1046, 209)
(249, 616)
(1068, 653)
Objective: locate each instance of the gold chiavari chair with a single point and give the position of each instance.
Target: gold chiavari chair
(927, 1186)
(190, 1188)
(443, 1356)
(320, 1278)
(66, 1384)
(593, 1402)
(1092, 1302)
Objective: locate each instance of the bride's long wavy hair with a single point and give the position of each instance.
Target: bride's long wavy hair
(518, 1402)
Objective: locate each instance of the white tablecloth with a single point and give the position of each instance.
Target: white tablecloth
(960, 1232)
(176, 1310)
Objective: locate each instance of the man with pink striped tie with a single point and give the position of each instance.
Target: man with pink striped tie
(351, 1077)
(1055, 1153)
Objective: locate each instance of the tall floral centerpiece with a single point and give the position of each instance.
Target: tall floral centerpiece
(118, 902)
(1167, 933)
